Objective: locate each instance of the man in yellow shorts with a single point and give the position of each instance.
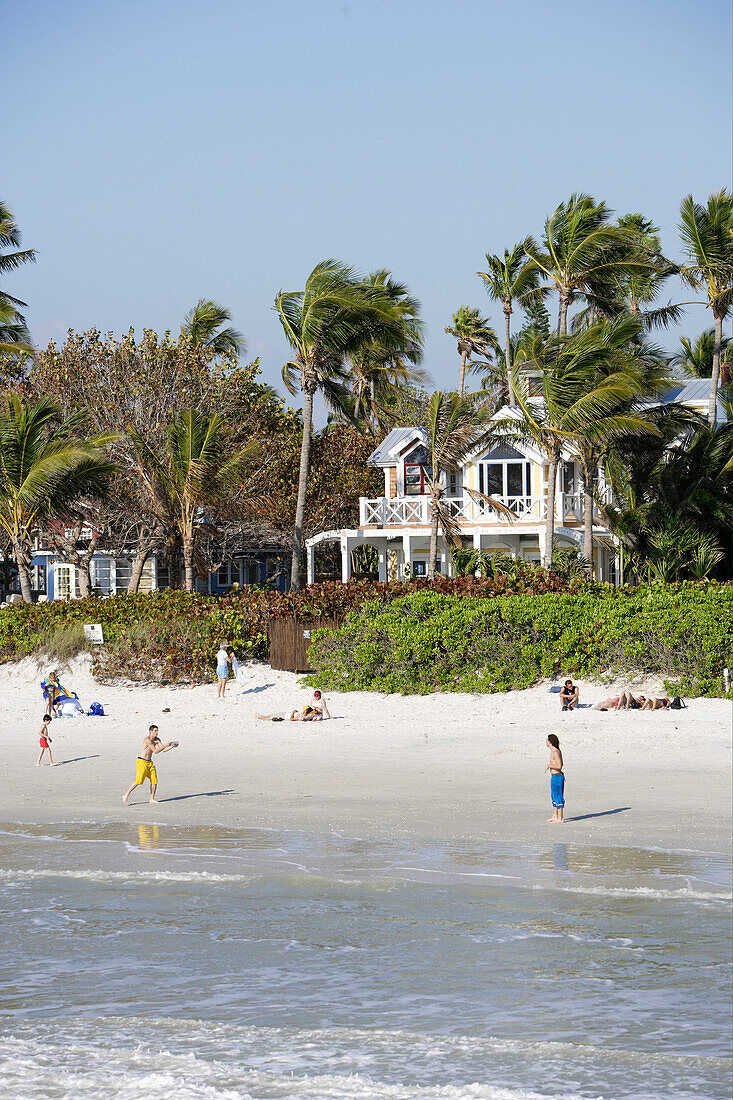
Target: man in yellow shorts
(145, 766)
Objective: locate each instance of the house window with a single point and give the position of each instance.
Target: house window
(416, 468)
(505, 473)
(568, 477)
(222, 577)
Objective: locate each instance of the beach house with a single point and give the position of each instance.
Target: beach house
(397, 524)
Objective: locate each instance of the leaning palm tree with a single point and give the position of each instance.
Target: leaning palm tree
(331, 320)
(511, 279)
(14, 338)
(198, 469)
(707, 239)
(205, 325)
(47, 464)
(454, 425)
(581, 249)
(474, 336)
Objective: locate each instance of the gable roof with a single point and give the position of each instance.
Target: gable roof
(394, 443)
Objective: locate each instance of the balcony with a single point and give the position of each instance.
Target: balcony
(415, 511)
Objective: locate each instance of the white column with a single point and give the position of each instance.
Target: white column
(345, 560)
(382, 550)
(405, 551)
(310, 562)
(476, 539)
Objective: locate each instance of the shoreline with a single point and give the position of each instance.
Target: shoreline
(434, 767)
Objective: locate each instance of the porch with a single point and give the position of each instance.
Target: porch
(407, 511)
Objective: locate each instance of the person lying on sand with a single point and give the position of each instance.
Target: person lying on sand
(307, 714)
(656, 704)
(624, 701)
(145, 767)
(569, 695)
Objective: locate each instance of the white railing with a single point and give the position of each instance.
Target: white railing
(415, 511)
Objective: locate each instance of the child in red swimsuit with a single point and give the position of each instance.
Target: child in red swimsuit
(45, 741)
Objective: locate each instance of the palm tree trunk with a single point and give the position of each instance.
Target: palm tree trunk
(588, 519)
(550, 519)
(462, 372)
(22, 562)
(433, 557)
(562, 321)
(305, 456)
(188, 559)
(508, 349)
(713, 398)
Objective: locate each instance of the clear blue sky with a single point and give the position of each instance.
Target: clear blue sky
(163, 150)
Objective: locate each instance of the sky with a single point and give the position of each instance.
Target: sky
(168, 150)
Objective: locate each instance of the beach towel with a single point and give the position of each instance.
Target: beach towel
(238, 671)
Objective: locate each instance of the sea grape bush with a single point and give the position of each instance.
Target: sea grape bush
(461, 634)
(435, 641)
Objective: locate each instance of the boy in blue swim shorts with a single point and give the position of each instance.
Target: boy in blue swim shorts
(557, 779)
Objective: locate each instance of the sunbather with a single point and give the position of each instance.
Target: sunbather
(656, 704)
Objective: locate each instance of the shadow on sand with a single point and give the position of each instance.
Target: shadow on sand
(601, 813)
(256, 690)
(76, 759)
(201, 794)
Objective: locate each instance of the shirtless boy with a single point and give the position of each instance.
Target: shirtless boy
(557, 779)
(44, 741)
(152, 745)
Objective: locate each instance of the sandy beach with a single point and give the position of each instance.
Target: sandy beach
(434, 766)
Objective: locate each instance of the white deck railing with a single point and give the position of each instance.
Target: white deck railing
(415, 511)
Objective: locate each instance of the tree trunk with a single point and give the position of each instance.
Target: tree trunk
(305, 456)
(188, 560)
(373, 404)
(22, 562)
(508, 350)
(562, 321)
(462, 373)
(588, 518)
(550, 520)
(138, 565)
(84, 576)
(433, 557)
(713, 398)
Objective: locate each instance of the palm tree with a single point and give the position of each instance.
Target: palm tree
(707, 239)
(197, 470)
(14, 336)
(332, 319)
(204, 325)
(46, 467)
(379, 371)
(475, 336)
(582, 249)
(696, 356)
(454, 424)
(507, 280)
(571, 400)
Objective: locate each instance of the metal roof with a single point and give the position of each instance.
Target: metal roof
(384, 454)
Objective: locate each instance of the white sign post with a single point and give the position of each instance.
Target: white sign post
(93, 633)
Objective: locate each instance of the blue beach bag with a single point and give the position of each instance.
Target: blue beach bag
(96, 710)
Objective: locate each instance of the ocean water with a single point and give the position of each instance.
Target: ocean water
(159, 963)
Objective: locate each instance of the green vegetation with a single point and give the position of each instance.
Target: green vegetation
(430, 641)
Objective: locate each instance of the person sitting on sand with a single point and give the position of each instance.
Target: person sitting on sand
(45, 741)
(569, 695)
(318, 704)
(145, 767)
(656, 704)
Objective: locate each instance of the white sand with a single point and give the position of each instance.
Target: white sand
(431, 766)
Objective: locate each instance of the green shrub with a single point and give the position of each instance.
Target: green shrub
(430, 641)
